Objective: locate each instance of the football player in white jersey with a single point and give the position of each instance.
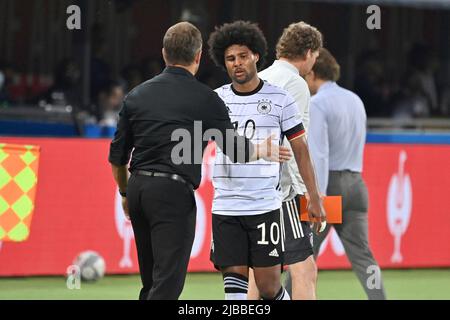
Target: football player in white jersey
(297, 50)
(247, 227)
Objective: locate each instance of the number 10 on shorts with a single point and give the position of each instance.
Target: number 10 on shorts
(274, 233)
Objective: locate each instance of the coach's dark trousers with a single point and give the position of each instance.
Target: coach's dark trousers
(163, 214)
(353, 231)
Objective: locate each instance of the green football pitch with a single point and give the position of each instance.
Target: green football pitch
(400, 284)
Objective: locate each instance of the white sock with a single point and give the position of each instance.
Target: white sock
(282, 295)
(286, 295)
(235, 296)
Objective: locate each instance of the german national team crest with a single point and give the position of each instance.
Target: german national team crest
(264, 106)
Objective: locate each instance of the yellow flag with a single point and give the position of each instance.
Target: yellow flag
(18, 181)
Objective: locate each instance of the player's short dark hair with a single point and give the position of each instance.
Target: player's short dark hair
(297, 39)
(326, 66)
(241, 33)
(181, 43)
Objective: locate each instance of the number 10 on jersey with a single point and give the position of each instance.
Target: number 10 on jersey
(249, 128)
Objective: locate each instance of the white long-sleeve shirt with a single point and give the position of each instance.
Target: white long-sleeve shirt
(285, 75)
(337, 131)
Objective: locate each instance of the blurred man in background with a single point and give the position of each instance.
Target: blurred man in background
(337, 136)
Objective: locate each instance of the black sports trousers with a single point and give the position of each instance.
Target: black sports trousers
(163, 215)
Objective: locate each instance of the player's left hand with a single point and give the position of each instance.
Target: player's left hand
(125, 207)
(284, 154)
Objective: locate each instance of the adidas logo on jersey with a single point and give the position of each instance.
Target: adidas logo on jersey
(274, 253)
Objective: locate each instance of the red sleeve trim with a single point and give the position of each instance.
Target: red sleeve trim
(296, 135)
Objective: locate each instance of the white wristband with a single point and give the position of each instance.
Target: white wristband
(323, 225)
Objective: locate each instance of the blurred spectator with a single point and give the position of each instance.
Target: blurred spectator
(418, 96)
(371, 84)
(66, 87)
(423, 63)
(108, 103)
(20, 88)
(3, 92)
(14, 85)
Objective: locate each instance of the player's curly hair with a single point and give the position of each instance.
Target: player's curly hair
(239, 32)
(297, 39)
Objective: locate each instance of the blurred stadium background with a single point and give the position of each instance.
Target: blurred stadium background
(60, 91)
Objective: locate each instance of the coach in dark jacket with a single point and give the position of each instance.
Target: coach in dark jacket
(166, 122)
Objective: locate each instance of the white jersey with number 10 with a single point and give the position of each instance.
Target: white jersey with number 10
(244, 189)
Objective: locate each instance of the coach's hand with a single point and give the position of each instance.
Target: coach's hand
(270, 151)
(316, 213)
(125, 207)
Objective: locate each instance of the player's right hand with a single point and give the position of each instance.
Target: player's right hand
(317, 214)
(270, 151)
